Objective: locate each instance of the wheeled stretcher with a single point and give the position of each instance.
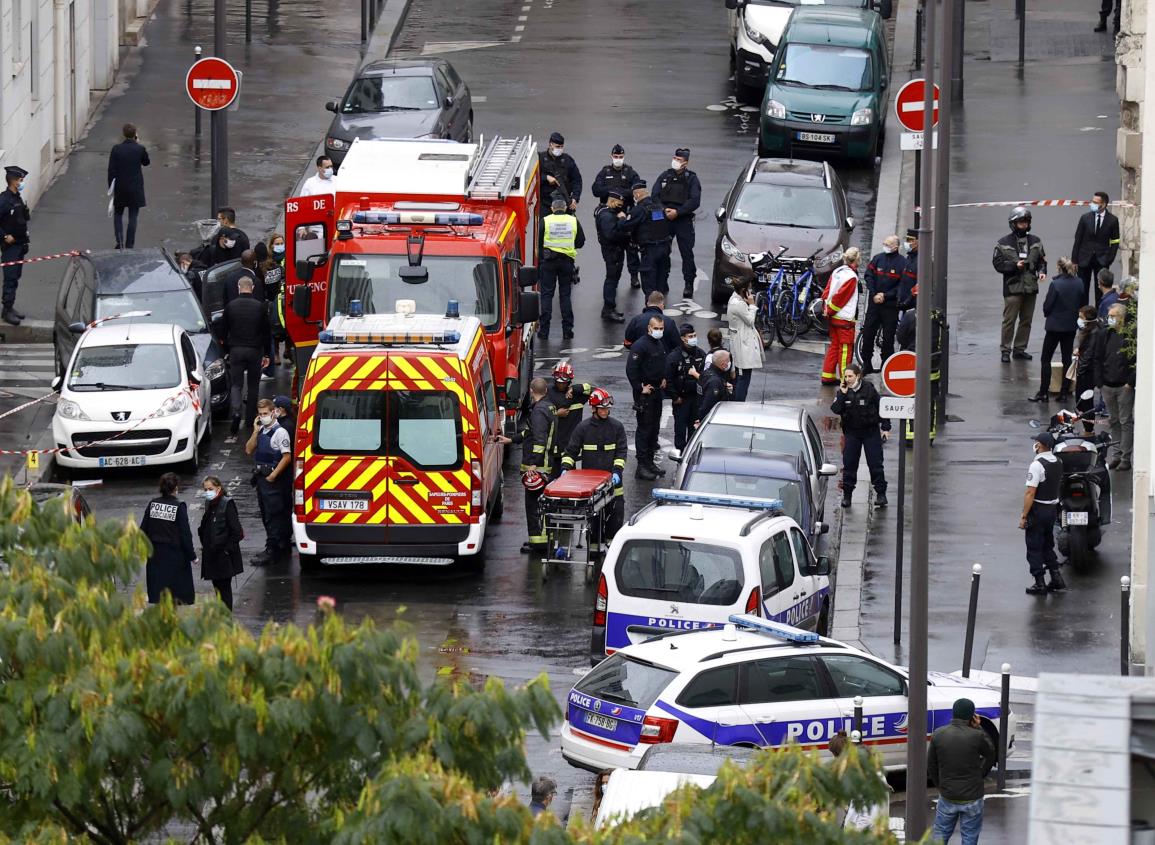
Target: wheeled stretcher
(575, 509)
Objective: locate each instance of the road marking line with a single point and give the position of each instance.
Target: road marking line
(519, 29)
(515, 39)
(523, 18)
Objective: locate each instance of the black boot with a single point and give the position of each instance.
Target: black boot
(1039, 588)
(1057, 584)
(635, 282)
(612, 315)
(645, 473)
(1041, 396)
(880, 500)
(9, 316)
(846, 499)
(236, 426)
(1006, 357)
(263, 559)
(1102, 27)
(18, 314)
(688, 291)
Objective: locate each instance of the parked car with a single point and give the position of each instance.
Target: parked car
(755, 475)
(97, 285)
(775, 203)
(827, 92)
(766, 427)
(756, 29)
(401, 98)
(133, 395)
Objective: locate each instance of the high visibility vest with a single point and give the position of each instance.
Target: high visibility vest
(561, 234)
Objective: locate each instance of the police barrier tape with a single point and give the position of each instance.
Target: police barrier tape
(69, 254)
(1038, 203)
(188, 390)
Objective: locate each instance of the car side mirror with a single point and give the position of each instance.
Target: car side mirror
(333, 106)
(822, 566)
(720, 214)
(850, 222)
(828, 469)
(527, 276)
(302, 301)
(529, 308)
(196, 376)
(77, 328)
(57, 382)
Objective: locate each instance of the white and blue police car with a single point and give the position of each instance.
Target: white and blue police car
(754, 683)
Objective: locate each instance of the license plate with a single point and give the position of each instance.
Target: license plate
(123, 461)
(816, 137)
(344, 504)
(1077, 518)
(603, 722)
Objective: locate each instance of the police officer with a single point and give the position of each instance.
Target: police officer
(169, 566)
(616, 247)
(245, 330)
(14, 217)
(646, 370)
(559, 174)
(272, 451)
(283, 407)
(714, 385)
(619, 176)
(562, 237)
(1040, 504)
(649, 227)
(684, 366)
(1021, 260)
(569, 401)
(536, 436)
(883, 288)
(680, 193)
(863, 430)
(600, 443)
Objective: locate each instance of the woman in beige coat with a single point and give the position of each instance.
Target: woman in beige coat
(745, 342)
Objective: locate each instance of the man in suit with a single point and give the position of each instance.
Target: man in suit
(126, 181)
(1096, 243)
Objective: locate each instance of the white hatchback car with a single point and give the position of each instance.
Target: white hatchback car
(753, 683)
(134, 394)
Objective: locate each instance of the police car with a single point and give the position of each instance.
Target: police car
(754, 683)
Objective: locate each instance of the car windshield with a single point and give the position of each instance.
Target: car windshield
(170, 306)
(752, 486)
(129, 366)
(826, 66)
(751, 439)
(678, 570)
(374, 280)
(798, 206)
(627, 681)
(390, 93)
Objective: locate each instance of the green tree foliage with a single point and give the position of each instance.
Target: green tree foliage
(121, 722)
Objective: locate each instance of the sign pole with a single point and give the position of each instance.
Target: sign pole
(219, 122)
(900, 532)
(940, 248)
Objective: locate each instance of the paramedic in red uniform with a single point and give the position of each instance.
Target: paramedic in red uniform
(841, 297)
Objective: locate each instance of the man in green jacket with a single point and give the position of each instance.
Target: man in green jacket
(959, 757)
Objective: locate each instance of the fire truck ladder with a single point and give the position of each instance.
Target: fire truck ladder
(498, 168)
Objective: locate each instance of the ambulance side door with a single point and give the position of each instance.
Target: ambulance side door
(308, 234)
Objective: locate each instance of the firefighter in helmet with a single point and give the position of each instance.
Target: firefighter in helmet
(600, 443)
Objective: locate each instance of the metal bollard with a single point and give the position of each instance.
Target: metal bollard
(1021, 14)
(1004, 710)
(364, 21)
(858, 713)
(196, 108)
(856, 737)
(1125, 626)
(972, 612)
(248, 21)
(918, 27)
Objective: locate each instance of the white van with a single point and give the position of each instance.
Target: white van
(687, 561)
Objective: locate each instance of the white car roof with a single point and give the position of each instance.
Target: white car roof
(682, 652)
(628, 792)
(120, 332)
(716, 523)
(758, 415)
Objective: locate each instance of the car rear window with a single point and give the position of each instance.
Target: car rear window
(752, 439)
(421, 426)
(679, 571)
(751, 486)
(626, 680)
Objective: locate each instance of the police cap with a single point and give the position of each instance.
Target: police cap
(556, 138)
(615, 194)
(618, 150)
(682, 152)
(639, 183)
(14, 172)
(283, 402)
(1046, 438)
(687, 328)
(912, 233)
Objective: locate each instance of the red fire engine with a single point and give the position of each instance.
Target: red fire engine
(427, 221)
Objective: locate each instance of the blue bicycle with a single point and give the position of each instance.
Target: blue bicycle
(791, 293)
(766, 294)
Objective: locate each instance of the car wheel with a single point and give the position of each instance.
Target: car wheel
(763, 152)
(310, 564)
(498, 509)
(823, 628)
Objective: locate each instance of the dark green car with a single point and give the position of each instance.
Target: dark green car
(827, 93)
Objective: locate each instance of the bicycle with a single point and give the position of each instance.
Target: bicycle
(792, 307)
(764, 299)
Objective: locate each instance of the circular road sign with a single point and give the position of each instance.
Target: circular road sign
(212, 83)
(908, 105)
(898, 374)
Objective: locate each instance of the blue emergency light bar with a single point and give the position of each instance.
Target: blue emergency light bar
(419, 218)
(387, 338)
(775, 629)
(689, 497)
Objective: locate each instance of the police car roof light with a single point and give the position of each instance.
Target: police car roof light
(418, 218)
(688, 497)
(774, 629)
(400, 338)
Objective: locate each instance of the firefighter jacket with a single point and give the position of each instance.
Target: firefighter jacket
(535, 434)
(598, 444)
(841, 294)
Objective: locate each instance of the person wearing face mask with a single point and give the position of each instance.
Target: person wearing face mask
(600, 443)
(646, 370)
(272, 452)
(220, 534)
(841, 298)
(745, 341)
(680, 193)
(684, 367)
(569, 401)
(169, 566)
(283, 408)
(1105, 294)
(561, 238)
(1085, 344)
(1115, 378)
(191, 269)
(227, 219)
(1065, 296)
(909, 273)
(1021, 260)
(321, 182)
(560, 175)
(14, 219)
(883, 287)
(1096, 242)
(715, 385)
(1040, 505)
(620, 177)
(648, 227)
(637, 327)
(615, 245)
(226, 246)
(863, 430)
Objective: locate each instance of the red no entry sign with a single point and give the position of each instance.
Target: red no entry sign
(212, 84)
(908, 105)
(898, 373)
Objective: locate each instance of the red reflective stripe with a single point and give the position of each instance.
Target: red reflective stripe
(601, 741)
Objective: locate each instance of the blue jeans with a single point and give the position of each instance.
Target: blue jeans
(969, 816)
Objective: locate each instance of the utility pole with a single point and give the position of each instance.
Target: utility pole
(219, 122)
(916, 798)
(958, 30)
(942, 197)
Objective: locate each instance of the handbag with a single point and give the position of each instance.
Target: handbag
(111, 199)
(1073, 370)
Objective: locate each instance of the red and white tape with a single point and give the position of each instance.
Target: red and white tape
(1038, 203)
(68, 254)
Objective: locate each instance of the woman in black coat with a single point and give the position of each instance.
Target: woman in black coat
(221, 534)
(1065, 297)
(165, 523)
(1089, 328)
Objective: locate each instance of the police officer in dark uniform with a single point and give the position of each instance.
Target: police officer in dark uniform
(559, 174)
(680, 193)
(245, 330)
(684, 366)
(272, 451)
(569, 402)
(650, 228)
(616, 246)
(646, 370)
(536, 436)
(619, 176)
(714, 385)
(169, 566)
(1040, 506)
(14, 217)
(883, 288)
(600, 443)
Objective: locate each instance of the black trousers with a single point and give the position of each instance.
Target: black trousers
(685, 412)
(614, 520)
(884, 317)
(274, 500)
(854, 443)
(533, 521)
(655, 267)
(682, 228)
(1040, 536)
(1065, 341)
(245, 369)
(224, 588)
(13, 252)
(649, 419)
(125, 239)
